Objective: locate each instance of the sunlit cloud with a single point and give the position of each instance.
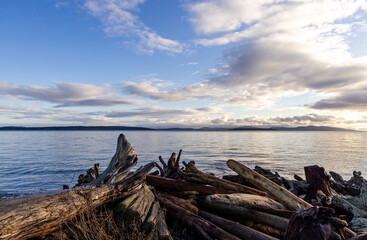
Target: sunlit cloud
(152, 90)
(355, 99)
(67, 94)
(160, 112)
(119, 19)
(290, 47)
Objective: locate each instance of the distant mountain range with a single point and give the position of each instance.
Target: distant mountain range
(125, 128)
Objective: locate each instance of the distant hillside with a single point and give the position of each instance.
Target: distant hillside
(313, 128)
(250, 128)
(125, 128)
(75, 128)
(306, 128)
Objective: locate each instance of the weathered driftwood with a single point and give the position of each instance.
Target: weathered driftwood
(172, 185)
(350, 187)
(357, 180)
(203, 228)
(179, 201)
(356, 215)
(359, 201)
(318, 181)
(362, 236)
(317, 223)
(172, 167)
(341, 203)
(142, 208)
(279, 193)
(123, 160)
(251, 201)
(297, 187)
(199, 177)
(251, 214)
(40, 214)
(268, 230)
(298, 177)
(235, 228)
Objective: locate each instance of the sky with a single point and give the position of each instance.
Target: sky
(183, 63)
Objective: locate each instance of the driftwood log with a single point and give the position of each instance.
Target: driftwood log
(317, 223)
(142, 209)
(319, 181)
(277, 222)
(173, 185)
(203, 228)
(279, 193)
(250, 201)
(235, 228)
(197, 176)
(40, 214)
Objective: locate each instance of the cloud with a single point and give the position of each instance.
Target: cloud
(160, 112)
(52, 116)
(99, 103)
(291, 47)
(68, 94)
(152, 90)
(209, 17)
(266, 70)
(290, 121)
(63, 92)
(119, 20)
(61, 4)
(303, 20)
(212, 70)
(355, 100)
(273, 64)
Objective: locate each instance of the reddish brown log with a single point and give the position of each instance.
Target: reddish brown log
(250, 214)
(268, 230)
(316, 223)
(318, 180)
(196, 222)
(179, 201)
(172, 185)
(235, 228)
(298, 177)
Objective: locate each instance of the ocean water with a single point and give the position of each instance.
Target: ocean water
(39, 161)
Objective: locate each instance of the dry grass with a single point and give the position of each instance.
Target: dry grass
(97, 225)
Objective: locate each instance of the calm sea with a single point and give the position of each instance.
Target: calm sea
(38, 161)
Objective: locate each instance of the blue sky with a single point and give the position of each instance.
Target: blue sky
(162, 63)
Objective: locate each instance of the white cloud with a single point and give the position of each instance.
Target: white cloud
(302, 20)
(161, 112)
(152, 90)
(67, 94)
(354, 99)
(212, 70)
(291, 46)
(119, 20)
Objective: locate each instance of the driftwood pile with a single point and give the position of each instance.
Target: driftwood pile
(253, 204)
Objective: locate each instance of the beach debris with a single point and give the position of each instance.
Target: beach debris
(41, 214)
(175, 201)
(279, 193)
(351, 187)
(317, 223)
(319, 190)
(143, 209)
